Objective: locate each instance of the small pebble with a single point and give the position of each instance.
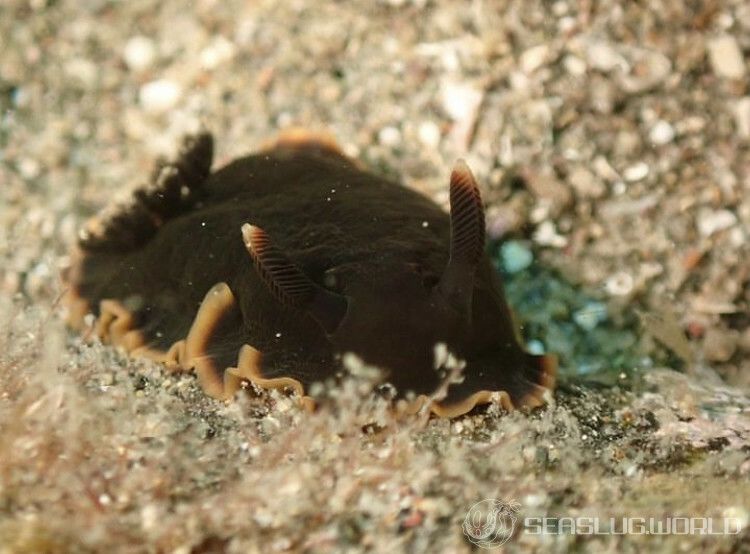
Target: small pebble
(533, 58)
(604, 169)
(560, 8)
(515, 256)
(742, 117)
(519, 81)
(29, 168)
(547, 235)
(636, 172)
(661, 133)
(586, 183)
(692, 124)
(150, 517)
(603, 57)
(726, 57)
(567, 25)
(429, 134)
(713, 221)
(648, 69)
(590, 316)
(460, 100)
(535, 347)
(218, 52)
(159, 96)
(139, 53)
(619, 284)
(574, 65)
(389, 136)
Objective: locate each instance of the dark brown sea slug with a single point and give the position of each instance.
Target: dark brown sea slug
(273, 267)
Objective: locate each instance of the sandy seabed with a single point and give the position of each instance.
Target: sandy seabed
(612, 139)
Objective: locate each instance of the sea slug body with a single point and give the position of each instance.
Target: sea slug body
(274, 266)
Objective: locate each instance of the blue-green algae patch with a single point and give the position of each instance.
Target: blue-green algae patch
(574, 323)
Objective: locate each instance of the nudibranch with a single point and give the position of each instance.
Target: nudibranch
(274, 267)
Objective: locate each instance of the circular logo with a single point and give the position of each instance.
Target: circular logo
(490, 523)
